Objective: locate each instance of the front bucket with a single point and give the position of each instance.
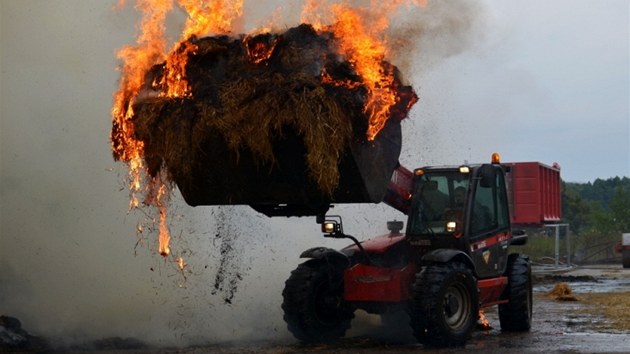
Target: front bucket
(286, 135)
(284, 188)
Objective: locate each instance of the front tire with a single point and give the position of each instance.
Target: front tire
(313, 305)
(516, 315)
(445, 305)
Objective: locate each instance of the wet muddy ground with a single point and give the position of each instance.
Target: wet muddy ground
(558, 326)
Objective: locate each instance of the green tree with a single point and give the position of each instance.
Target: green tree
(620, 209)
(575, 210)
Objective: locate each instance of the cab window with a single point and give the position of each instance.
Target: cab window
(489, 213)
(439, 197)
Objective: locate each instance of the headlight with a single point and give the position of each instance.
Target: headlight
(330, 227)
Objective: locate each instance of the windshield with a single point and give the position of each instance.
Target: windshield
(439, 197)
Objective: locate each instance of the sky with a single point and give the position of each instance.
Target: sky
(540, 81)
(533, 80)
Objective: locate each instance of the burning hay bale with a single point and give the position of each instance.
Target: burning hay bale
(267, 119)
(562, 292)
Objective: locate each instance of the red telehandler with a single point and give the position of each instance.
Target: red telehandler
(454, 257)
(294, 145)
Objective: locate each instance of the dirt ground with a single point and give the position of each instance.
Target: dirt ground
(558, 326)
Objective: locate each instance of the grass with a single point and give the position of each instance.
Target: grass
(586, 248)
(614, 306)
(541, 248)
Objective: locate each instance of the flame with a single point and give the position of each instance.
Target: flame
(181, 264)
(360, 34)
(203, 17)
(137, 60)
(483, 321)
(174, 77)
(165, 237)
(259, 48)
(327, 79)
(366, 53)
(358, 31)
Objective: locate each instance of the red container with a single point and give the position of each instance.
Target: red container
(534, 193)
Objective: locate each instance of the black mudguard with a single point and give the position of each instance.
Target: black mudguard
(329, 255)
(445, 255)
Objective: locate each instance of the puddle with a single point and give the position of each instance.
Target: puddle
(601, 285)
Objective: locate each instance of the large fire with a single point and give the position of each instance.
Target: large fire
(360, 34)
(362, 41)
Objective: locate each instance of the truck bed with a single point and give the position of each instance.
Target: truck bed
(534, 193)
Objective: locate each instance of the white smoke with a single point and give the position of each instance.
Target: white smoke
(71, 266)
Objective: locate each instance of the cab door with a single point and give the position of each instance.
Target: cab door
(488, 224)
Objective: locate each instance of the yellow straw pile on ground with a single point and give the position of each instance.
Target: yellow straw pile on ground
(562, 292)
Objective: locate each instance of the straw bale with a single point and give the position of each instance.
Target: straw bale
(250, 105)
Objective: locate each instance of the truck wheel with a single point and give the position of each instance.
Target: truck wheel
(313, 305)
(445, 305)
(625, 258)
(516, 315)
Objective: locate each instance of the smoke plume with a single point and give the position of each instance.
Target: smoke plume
(72, 267)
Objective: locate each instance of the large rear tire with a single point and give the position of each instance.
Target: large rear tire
(313, 305)
(625, 258)
(445, 305)
(516, 315)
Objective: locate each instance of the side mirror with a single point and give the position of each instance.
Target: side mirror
(395, 226)
(519, 238)
(518, 232)
(488, 175)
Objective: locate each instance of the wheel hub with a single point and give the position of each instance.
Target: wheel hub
(452, 305)
(456, 307)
